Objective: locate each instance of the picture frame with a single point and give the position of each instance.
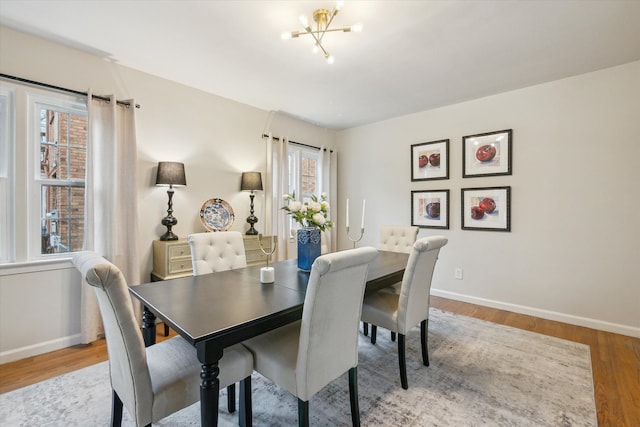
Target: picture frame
(486, 209)
(430, 208)
(430, 160)
(487, 154)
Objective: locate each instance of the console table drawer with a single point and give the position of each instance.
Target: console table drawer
(181, 266)
(179, 251)
(171, 259)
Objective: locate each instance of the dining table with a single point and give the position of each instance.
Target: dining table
(214, 311)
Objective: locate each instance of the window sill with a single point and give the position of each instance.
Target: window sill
(10, 269)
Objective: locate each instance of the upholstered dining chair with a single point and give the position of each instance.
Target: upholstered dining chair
(218, 251)
(153, 382)
(306, 355)
(401, 312)
(397, 238)
(394, 238)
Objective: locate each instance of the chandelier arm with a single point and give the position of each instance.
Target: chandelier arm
(326, 28)
(324, 52)
(343, 29)
(309, 31)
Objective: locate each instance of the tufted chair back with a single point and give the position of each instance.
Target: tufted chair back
(216, 251)
(397, 238)
(413, 302)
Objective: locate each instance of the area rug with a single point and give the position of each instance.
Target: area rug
(481, 373)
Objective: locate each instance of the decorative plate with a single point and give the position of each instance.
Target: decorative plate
(216, 215)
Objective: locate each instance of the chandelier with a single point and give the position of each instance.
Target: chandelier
(323, 19)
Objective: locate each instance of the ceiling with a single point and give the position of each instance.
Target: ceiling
(411, 56)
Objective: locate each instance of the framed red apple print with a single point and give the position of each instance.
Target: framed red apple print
(487, 208)
(430, 160)
(487, 154)
(430, 209)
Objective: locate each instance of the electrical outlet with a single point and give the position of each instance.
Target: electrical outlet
(458, 273)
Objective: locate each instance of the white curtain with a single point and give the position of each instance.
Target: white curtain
(277, 184)
(111, 199)
(329, 184)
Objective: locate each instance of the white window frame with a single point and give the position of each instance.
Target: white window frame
(20, 184)
(36, 102)
(296, 154)
(7, 160)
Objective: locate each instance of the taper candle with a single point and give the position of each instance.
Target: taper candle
(347, 221)
(362, 226)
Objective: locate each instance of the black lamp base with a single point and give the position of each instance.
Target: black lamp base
(168, 236)
(252, 219)
(252, 231)
(169, 221)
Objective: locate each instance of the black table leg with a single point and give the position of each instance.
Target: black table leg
(209, 355)
(148, 327)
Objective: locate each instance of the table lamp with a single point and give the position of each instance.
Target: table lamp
(170, 173)
(251, 181)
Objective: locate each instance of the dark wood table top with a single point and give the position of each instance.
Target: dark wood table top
(230, 306)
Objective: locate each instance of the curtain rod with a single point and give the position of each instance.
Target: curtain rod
(297, 143)
(77, 92)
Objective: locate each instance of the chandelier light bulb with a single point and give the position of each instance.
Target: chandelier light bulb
(285, 36)
(339, 4)
(330, 59)
(304, 21)
(356, 28)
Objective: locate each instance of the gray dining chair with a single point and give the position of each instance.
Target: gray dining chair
(394, 238)
(399, 313)
(218, 251)
(153, 382)
(306, 355)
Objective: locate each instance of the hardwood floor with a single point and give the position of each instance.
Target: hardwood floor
(615, 360)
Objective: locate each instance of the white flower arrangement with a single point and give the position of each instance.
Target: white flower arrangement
(313, 214)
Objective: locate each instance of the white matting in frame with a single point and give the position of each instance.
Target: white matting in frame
(487, 154)
(430, 208)
(486, 208)
(430, 160)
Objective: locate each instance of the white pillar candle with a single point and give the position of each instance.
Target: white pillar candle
(347, 213)
(267, 275)
(363, 201)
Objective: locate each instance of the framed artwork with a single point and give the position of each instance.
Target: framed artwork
(430, 208)
(430, 160)
(486, 208)
(487, 154)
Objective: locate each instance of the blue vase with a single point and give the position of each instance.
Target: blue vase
(309, 246)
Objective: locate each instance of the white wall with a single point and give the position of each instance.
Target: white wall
(574, 247)
(216, 138)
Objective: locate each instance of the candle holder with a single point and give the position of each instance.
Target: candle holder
(357, 239)
(267, 274)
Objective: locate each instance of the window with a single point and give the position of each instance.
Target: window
(62, 145)
(303, 172)
(47, 143)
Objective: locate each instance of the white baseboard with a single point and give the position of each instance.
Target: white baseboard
(39, 348)
(544, 314)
